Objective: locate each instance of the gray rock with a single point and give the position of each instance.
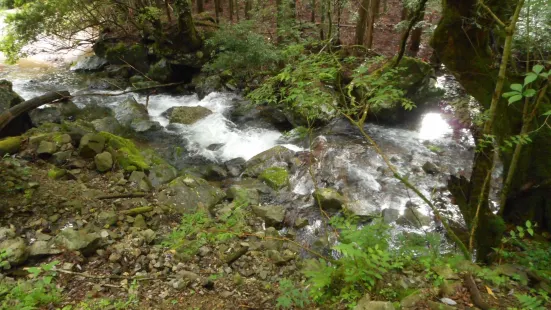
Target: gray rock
(139, 222)
(108, 124)
(186, 193)
(46, 149)
(278, 156)
(390, 215)
(73, 240)
(6, 233)
(301, 222)
(243, 194)
(160, 71)
(329, 199)
(145, 125)
(107, 218)
(45, 115)
(205, 85)
(235, 166)
(148, 235)
(103, 161)
(188, 115)
(91, 145)
(272, 215)
(90, 64)
(130, 110)
(448, 301)
(61, 158)
(8, 99)
(215, 173)
(140, 181)
(430, 168)
(42, 247)
(16, 251)
(162, 174)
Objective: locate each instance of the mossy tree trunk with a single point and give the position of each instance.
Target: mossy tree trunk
(185, 24)
(464, 47)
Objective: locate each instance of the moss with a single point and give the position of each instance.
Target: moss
(275, 177)
(10, 145)
(125, 152)
(56, 173)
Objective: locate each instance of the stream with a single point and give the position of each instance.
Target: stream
(347, 162)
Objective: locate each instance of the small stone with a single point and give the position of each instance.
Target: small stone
(104, 234)
(139, 221)
(148, 235)
(53, 218)
(301, 222)
(104, 161)
(56, 173)
(115, 257)
(448, 301)
(204, 251)
(107, 218)
(67, 266)
(430, 168)
(46, 149)
(61, 158)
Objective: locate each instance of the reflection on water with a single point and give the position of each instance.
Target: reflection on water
(433, 127)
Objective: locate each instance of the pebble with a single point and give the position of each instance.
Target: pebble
(448, 301)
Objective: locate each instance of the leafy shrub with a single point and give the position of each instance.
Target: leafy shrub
(291, 296)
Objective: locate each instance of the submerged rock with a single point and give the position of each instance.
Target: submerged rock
(187, 115)
(187, 193)
(329, 199)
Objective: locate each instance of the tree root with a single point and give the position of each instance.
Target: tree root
(475, 293)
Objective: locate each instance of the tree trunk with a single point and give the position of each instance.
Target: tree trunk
(29, 105)
(200, 6)
(313, 12)
(466, 52)
(217, 10)
(186, 25)
(362, 22)
(230, 8)
(415, 41)
(322, 22)
(372, 15)
(415, 18)
(248, 8)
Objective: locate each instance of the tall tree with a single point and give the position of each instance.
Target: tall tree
(416, 34)
(362, 22)
(186, 25)
(372, 16)
(200, 6)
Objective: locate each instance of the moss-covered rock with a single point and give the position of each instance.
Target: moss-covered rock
(10, 145)
(46, 149)
(91, 144)
(329, 199)
(125, 152)
(188, 115)
(188, 193)
(56, 173)
(275, 177)
(272, 215)
(161, 174)
(276, 156)
(161, 71)
(243, 194)
(121, 54)
(103, 161)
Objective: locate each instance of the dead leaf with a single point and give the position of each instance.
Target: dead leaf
(491, 292)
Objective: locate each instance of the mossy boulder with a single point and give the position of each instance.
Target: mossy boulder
(125, 152)
(8, 99)
(279, 156)
(187, 115)
(329, 199)
(103, 161)
(161, 71)
(16, 251)
(124, 54)
(275, 177)
(10, 145)
(161, 174)
(243, 194)
(91, 144)
(188, 193)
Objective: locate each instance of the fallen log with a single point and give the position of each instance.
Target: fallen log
(29, 105)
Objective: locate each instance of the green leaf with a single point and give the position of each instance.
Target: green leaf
(547, 113)
(515, 98)
(529, 93)
(528, 223)
(510, 94)
(516, 87)
(531, 77)
(537, 69)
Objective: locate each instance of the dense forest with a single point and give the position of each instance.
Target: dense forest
(314, 154)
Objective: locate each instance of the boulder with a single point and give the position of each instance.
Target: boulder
(73, 240)
(108, 124)
(390, 215)
(272, 215)
(90, 64)
(187, 115)
(61, 158)
(8, 99)
(205, 85)
(235, 166)
(145, 125)
(215, 173)
(242, 194)
(140, 181)
(16, 251)
(329, 199)
(161, 174)
(91, 144)
(46, 149)
(10, 145)
(125, 152)
(279, 156)
(275, 177)
(42, 247)
(187, 193)
(103, 161)
(130, 110)
(430, 168)
(45, 115)
(161, 71)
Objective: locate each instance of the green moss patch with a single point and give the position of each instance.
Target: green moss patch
(275, 177)
(10, 145)
(125, 152)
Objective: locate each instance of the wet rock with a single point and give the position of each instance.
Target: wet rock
(272, 215)
(145, 125)
(162, 174)
(15, 251)
(249, 196)
(187, 115)
(413, 218)
(205, 85)
(215, 173)
(103, 161)
(130, 110)
(275, 177)
(390, 215)
(45, 115)
(108, 124)
(90, 64)
(215, 146)
(186, 193)
(329, 199)
(430, 168)
(91, 145)
(46, 149)
(10, 145)
(73, 240)
(279, 156)
(235, 166)
(301, 222)
(61, 158)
